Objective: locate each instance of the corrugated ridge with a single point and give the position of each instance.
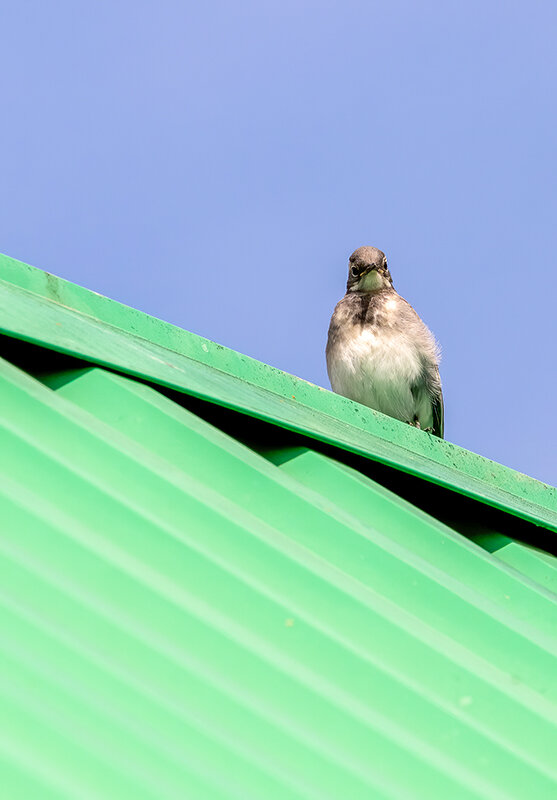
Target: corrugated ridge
(152, 690)
(160, 745)
(340, 488)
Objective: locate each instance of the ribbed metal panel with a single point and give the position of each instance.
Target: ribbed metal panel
(185, 617)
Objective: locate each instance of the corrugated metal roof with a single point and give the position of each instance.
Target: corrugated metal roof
(195, 609)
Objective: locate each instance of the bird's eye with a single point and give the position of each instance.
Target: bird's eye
(355, 271)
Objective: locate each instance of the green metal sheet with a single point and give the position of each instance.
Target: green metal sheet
(54, 314)
(184, 617)
(351, 496)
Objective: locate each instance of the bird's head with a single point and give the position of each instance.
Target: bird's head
(368, 271)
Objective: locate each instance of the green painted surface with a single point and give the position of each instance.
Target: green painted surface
(449, 555)
(46, 310)
(183, 617)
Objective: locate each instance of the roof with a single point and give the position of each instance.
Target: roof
(220, 581)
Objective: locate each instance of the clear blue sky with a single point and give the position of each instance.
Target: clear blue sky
(215, 163)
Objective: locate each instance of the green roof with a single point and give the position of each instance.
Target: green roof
(221, 581)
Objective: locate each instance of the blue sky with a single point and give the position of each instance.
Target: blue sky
(215, 163)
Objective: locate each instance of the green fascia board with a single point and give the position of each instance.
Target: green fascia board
(41, 308)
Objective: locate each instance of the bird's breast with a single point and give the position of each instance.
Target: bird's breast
(374, 366)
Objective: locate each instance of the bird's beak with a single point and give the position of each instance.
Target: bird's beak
(367, 271)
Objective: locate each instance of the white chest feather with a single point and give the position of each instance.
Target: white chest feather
(378, 371)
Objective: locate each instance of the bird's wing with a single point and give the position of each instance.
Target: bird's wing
(438, 414)
(437, 405)
(428, 389)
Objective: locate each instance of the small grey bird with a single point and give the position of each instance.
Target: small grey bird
(379, 352)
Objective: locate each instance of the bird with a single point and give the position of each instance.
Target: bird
(379, 352)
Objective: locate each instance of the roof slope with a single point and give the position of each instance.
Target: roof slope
(184, 615)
